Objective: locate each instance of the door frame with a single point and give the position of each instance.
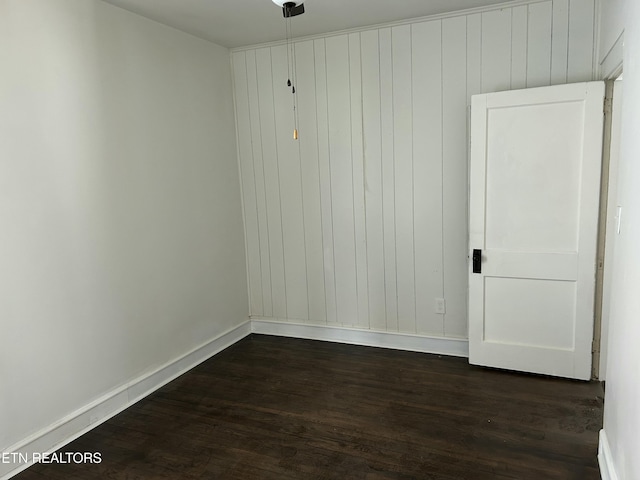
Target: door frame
(599, 351)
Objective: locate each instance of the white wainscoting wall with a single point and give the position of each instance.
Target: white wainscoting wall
(362, 222)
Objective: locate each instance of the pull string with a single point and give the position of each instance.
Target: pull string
(286, 36)
(296, 117)
(291, 52)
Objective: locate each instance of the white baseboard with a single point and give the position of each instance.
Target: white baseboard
(90, 416)
(457, 347)
(95, 413)
(605, 459)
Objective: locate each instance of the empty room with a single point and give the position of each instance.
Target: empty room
(361, 239)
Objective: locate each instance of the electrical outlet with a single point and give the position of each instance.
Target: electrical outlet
(440, 305)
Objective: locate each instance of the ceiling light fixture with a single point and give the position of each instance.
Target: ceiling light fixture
(291, 9)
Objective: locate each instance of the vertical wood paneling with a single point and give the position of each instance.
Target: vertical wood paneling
(340, 154)
(454, 174)
(581, 34)
(324, 166)
(309, 165)
(519, 30)
(474, 56)
(295, 262)
(559, 41)
(403, 162)
(258, 167)
(363, 221)
(496, 50)
(357, 157)
(474, 72)
(245, 152)
(427, 153)
(371, 123)
(272, 181)
(539, 45)
(474, 86)
(388, 178)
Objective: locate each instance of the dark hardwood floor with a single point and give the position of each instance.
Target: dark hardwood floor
(280, 408)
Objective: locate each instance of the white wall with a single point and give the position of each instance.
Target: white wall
(363, 221)
(120, 210)
(622, 399)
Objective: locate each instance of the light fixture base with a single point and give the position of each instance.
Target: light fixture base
(289, 8)
(281, 3)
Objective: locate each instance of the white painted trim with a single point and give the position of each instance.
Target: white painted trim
(611, 65)
(605, 459)
(110, 404)
(440, 16)
(457, 347)
(595, 52)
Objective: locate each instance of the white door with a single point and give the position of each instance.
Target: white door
(534, 196)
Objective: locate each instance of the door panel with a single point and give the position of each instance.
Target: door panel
(517, 171)
(541, 307)
(535, 170)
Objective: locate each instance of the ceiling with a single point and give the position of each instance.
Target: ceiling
(234, 23)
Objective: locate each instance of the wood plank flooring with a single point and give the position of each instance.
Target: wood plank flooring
(280, 408)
